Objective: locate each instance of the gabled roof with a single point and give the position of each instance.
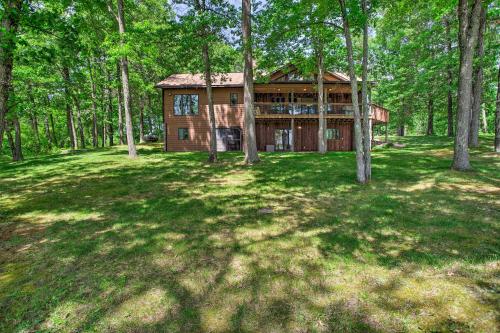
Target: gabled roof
(329, 76)
(236, 79)
(197, 80)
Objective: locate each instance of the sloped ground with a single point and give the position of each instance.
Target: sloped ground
(94, 241)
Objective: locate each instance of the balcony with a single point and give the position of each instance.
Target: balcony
(310, 110)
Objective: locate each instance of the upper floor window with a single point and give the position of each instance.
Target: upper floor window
(233, 99)
(185, 105)
(332, 134)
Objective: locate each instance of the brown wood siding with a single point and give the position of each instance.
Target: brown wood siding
(305, 134)
(199, 125)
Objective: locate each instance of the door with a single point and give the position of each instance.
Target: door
(283, 139)
(228, 139)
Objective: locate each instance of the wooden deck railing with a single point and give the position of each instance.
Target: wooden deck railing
(379, 114)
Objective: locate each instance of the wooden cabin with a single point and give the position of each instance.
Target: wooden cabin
(286, 112)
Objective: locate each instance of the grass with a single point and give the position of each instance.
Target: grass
(96, 242)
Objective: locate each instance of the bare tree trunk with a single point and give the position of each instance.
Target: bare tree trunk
(15, 142)
(141, 120)
(93, 95)
(477, 89)
(430, 116)
(467, 37)
(33, 119)
(250, 141)
(79, 121)
(47, 131)
(10, 139)
(497, 116)
(9, 25)
(450, 79)
(367, 127)
(54, 136)
(110, 109)
(126, 94)
(484, 123)
(69, 112)
(321, 101)
(120, 109)
(212, 157)
(358, 142)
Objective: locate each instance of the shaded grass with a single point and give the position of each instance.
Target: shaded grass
(93, 241)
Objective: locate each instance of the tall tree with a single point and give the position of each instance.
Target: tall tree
(70, 122)
(468, 18)
(449, 76)
(125, 83)
(497, 115)
(321, 99)
(9, 25)
(477, 88)
(367, 125)
(358, 139)
(251, 155)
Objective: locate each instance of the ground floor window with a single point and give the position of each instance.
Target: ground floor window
(283, 139)
(183, 133)
(333, 134)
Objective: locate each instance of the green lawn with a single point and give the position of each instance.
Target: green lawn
(96, 242)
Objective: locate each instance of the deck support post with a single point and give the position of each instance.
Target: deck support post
(292, 125)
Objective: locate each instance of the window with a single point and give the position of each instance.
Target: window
(233, 99)
(332, 134)
(185, 105)
(283, 139)
(183, 133)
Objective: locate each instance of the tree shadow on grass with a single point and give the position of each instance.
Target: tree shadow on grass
(186, 242)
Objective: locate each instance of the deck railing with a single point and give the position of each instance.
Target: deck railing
(265, 108)
(301, 108)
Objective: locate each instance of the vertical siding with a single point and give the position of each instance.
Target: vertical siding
(305, 134)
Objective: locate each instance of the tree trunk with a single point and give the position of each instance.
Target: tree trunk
(467, 37)
(321, 100)
(110, 109)
(95, 141)
(79, 122)
(47, 131)
(477, 89)
(358, 142)
(141, 120)
(484, 123)
(126, 95)
(497, 116)
(121, 136)
(9, 25)
(251, 154)
(212, 157)
(450, 79)
(401, 130)
(54, 136)
(15, 142)
(69, 112)
(430, 116)
(33, 119)
(367, 126)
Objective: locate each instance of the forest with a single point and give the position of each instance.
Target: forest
(82, 74)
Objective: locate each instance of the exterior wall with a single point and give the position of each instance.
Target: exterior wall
(199, 125)
(305, 133)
